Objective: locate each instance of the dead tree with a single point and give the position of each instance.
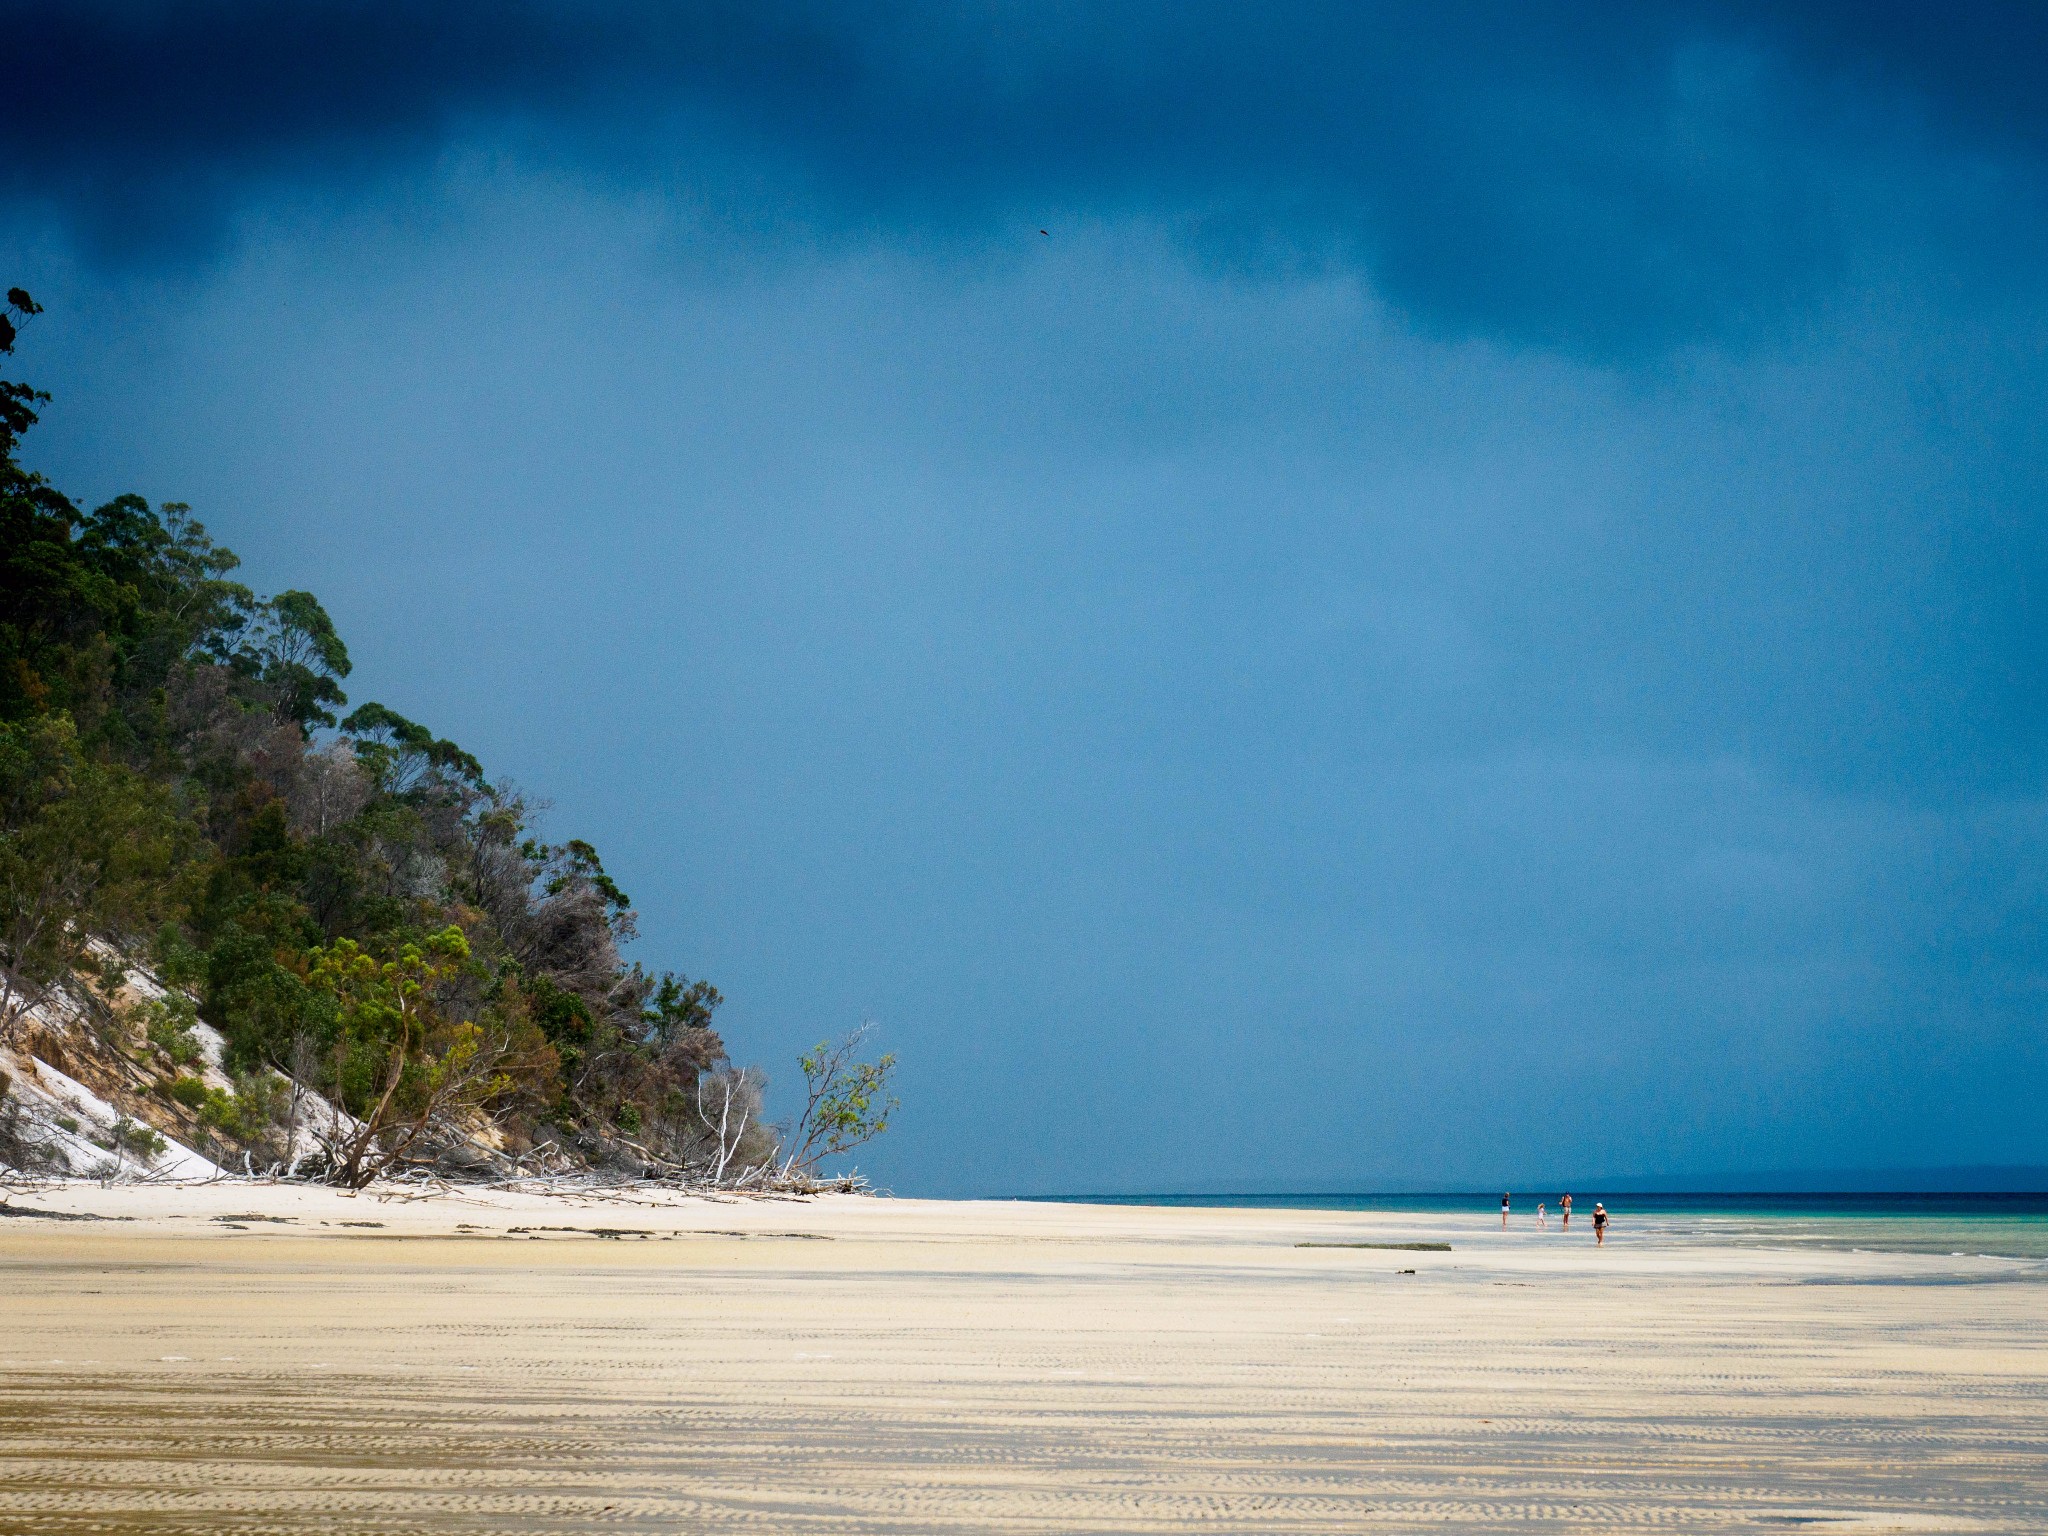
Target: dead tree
(728, 1102)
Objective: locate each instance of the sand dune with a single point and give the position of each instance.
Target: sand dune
(524, 1364)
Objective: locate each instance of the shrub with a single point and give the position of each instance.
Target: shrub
(246, 1113)
(170, 1029)
(137, 1139)
(189, 1091)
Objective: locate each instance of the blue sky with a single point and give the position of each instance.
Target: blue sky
(1471, 611)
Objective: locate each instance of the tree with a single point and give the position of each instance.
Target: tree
(400, 755)
(45, 592)
(847, 1102)
(299, 654)
(676, 1006)
(405, 1063)
(86, 849)
(173, 579)
(580, 865)
(18, 402)
(19, 307)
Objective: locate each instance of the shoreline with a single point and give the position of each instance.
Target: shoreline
(1697, 1243)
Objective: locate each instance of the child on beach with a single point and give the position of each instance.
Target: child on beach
(1599, 1225)
(1539, 1215)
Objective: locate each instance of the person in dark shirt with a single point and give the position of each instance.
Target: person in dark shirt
(1599, 1224)
(1503, 1213)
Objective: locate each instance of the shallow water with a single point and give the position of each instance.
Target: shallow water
(1994, 1224)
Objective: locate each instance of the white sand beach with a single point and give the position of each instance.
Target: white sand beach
(236, 1357)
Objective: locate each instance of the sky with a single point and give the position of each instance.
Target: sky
(1300, 597)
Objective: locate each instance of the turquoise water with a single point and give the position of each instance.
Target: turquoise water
(2006, 1225)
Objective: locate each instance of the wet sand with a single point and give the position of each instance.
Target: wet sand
(846, 1365)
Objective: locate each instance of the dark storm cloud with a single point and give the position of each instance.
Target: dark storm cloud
(1974, 68)
(1169, 701)
(1606, 179)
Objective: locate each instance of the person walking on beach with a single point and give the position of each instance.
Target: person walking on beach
(1503, 1212)
(1565, 1205)
(1541, 1221)
(1599, 1225)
